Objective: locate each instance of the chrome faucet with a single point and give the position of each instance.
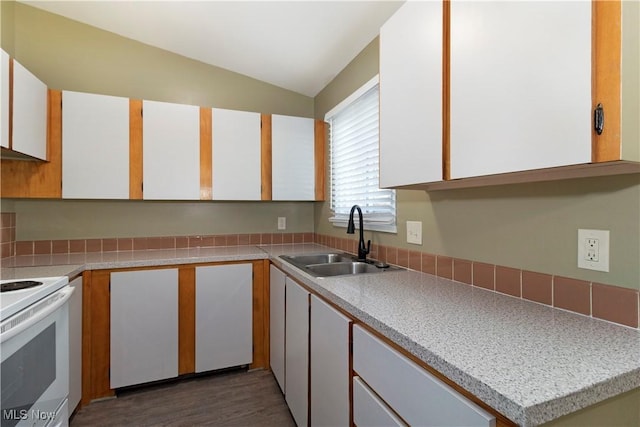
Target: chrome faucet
(362, 250)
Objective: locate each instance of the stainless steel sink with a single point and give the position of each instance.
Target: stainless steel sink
(336, 264)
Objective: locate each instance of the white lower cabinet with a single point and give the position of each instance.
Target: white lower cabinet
(144, 326)
(75, 344)
(369, 410)
(415, 395)
(276, 324)
(297, 352)
(224, 316)
(329, 365)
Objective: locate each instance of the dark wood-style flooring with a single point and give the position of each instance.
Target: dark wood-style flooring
(238, 398)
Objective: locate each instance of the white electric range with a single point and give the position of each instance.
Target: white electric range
(34, 349)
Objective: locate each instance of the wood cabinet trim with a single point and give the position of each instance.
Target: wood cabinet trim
(266, 157)
(186, 320)
(11, 104)
(206, 153)
(606, 68)
(135, 149)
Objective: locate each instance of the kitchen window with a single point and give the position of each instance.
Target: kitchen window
(354, 165)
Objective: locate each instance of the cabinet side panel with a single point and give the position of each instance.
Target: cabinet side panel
(411, 95)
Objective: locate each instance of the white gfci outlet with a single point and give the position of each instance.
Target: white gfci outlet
(593, 249)
(282, 223)
(414, 232)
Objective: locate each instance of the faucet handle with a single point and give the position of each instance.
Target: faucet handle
(368, 246)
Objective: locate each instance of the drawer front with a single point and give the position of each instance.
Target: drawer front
(369, 410)
(416, 395)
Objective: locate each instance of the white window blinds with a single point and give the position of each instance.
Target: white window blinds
(354, 149)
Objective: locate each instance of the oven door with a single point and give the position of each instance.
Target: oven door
(35, 362)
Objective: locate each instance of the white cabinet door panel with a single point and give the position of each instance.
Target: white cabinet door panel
(293, 159)
(75, 343)
(236, 155)
(171, 151)
(297, 352)
(224, 316)
(29, 113)
(520, 86)
(411, 95)
(276, 324)
(95, 146)
(369, 410)
(329, 359)
(144, 326)
(4, 99)
(413, 393)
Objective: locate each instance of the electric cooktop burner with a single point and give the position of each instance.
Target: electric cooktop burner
(19, 285)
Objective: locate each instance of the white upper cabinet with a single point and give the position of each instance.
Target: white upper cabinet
(4, 99)
(29, 113)
(520, 86)
(236, 155)
(95, 146)
(171, 151)
(293, 159)
(411, 95)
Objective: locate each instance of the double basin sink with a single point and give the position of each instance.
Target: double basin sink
(336, 264)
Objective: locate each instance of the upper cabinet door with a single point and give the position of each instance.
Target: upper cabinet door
(95, 146)
(520, 86)
(236, 155)
(171, 151)
(4, 99)
(293, 159)
(29, 113)
(411, 95)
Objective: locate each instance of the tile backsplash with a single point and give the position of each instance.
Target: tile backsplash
(607, 302)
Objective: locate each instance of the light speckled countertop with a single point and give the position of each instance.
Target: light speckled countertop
(531, 362)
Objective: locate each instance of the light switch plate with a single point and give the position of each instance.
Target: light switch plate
(414, 232)
(593, 249)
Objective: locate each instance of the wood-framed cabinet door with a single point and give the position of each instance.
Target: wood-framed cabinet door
(411, 95)
(277, 324)
(30, 100)
(236, 155)
(144, 326)
(329, 365)
(520, 89)
(297, 352)
(224, 316)
(95, 146)
(171, 151)
(293, 158)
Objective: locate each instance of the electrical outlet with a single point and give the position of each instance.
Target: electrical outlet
(282, 223)
(593, 249)
(414, 232)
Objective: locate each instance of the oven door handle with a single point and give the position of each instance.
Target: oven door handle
(34, 314)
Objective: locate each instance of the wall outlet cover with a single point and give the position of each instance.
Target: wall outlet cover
(593, 249)
(282, 223)
(414, 232)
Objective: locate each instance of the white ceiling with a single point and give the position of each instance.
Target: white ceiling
(297, 45)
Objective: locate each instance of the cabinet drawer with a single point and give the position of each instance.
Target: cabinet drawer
(369, 410)
(416, 395)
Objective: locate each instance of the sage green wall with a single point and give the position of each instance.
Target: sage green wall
(528, 226)
(69, 55)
